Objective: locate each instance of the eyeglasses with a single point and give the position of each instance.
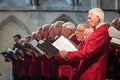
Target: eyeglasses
(80, 30)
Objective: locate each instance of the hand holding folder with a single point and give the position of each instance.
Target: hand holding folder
(52, 47)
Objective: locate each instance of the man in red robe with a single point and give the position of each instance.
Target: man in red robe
(68, 30)
(93, 53)
(49, 66)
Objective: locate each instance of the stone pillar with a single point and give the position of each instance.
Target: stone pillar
(116, 4)
(95, 3)
(76, 2)
(35, 4)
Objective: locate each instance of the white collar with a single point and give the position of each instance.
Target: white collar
(99, 25)
(71, 35)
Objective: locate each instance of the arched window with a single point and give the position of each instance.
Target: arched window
(64, 18)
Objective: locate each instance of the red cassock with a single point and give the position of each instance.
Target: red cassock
(66, 67)
(34, 69)
(74, 39)
(111, 60)
(26, 64)
(49, 67)
(45, 66)
(17, 67)
(92, 56)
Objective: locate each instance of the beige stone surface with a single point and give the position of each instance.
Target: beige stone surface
(5, 69)
(6, 35)
(6, 41)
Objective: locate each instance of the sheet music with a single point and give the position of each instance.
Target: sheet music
(34, 43)
(62, 43)
(14, 51)
(41, 41)
(115, 40)
(0, 52)
(113, 32)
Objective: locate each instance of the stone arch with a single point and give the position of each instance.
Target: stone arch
(9, 27)
(13, 18)
(65, 18)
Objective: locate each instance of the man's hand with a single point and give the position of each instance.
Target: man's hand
(45, 54)
(63, 54)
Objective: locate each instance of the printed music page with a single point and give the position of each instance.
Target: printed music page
(63, 43)
(115, 40)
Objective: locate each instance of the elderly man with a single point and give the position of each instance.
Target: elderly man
(80, 31)
(88, 32)
(45, 31)
(93, 53)
(65, 67)
(51, 32)
(69, 31)
(58, 28)
(54, 64)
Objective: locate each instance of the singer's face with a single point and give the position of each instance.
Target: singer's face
(80, 32)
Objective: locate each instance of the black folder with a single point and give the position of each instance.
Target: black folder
(115, 42)
(4, 53)
(9, 54)
(115, 37)
(29, 45)
(48, 47)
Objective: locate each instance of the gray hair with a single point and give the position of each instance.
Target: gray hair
(98, 12)
(46, 26)
(58, 24)
(69, 25)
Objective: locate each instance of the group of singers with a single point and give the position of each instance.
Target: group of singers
(88, 63)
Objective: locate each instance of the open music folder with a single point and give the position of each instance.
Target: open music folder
(52, 47)
(63, 43)
(33, 45)
(115, 37)
(115, 42)
(10, 53)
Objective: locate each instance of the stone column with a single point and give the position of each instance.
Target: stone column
(95, 3)
(35, 4)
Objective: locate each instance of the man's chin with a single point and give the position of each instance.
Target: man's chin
(78, 40)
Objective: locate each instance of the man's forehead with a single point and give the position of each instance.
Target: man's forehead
(81, 27)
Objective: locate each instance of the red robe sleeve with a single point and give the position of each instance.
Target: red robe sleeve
(93, 45)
